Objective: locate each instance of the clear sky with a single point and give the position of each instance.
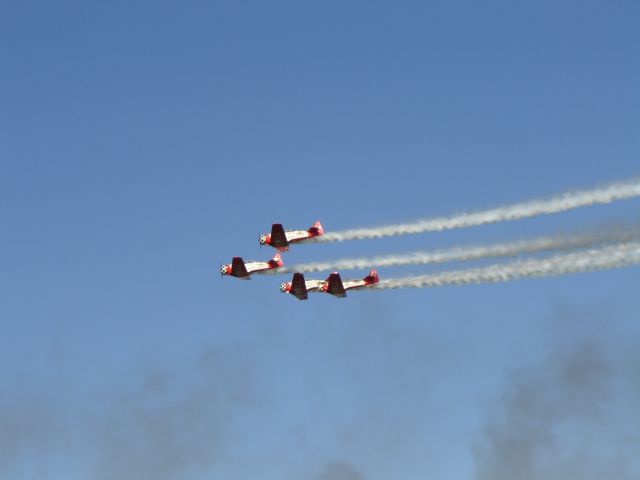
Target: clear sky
(144, 143)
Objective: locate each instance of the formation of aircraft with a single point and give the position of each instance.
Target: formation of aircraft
(333, 285)
(280, 239)
(298, 287)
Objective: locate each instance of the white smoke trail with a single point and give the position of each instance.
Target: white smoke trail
(566, 201)
(560, 242)
(614, 256)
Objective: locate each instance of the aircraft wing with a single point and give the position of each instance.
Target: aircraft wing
(299, 287)
(278, 237)
(335, 286)
(238, 268)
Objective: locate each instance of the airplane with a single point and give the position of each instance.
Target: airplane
(298, 287)
(280, 239)
(239, 269)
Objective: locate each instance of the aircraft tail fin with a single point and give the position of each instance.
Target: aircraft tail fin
(316, 228)
(372, 277)
(277, 260)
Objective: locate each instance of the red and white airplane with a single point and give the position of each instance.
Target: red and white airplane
(239, 269)
(298, 287)
(280, 239)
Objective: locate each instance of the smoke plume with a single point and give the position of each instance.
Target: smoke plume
(338, 471)
(559, 242)
(560, 203)
(573, 416)
(171, 424)
(615, 256)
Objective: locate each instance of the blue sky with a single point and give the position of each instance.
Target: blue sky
(144, 143)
